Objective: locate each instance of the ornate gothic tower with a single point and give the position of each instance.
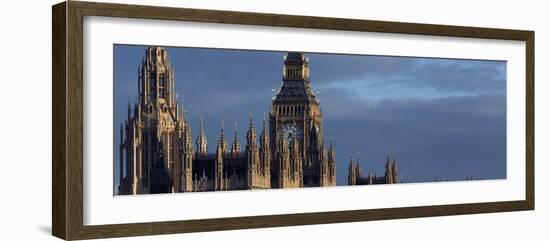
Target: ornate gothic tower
(395, 177)
(151, 147)
(202, 143)
(257, 176)
(158, 153)
(295, 113)
(221, 151)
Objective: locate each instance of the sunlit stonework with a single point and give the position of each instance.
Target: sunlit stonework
(158, 153)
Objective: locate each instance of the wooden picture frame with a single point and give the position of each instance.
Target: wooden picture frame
(67, 122)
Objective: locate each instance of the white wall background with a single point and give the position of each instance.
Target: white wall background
(25, 137)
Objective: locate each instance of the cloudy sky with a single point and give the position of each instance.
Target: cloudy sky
(441, 118)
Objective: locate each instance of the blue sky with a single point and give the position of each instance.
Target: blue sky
(441, 118)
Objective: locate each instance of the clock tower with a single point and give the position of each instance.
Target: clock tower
(296, 116)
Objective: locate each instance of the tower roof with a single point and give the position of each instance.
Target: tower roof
(296, 85)
(296, 57)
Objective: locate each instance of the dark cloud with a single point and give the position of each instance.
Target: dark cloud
(444, 75)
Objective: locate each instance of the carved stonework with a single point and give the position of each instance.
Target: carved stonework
(159, 155)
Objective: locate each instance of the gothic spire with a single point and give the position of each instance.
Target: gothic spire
(222, 133)
(202, 126)
(358, 169)
(222, 143)
(201, 139)
(389, 176)
(264, 137)
(251, 135)
(394, 171)
(236, 147)
(351, 165)
(394, 165)
(351, 172)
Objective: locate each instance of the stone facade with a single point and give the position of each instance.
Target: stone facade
(151, 136)
(157, 153)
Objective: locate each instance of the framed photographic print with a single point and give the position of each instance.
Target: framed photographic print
(171, 120)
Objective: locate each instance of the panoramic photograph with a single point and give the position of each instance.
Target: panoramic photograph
(203, 119)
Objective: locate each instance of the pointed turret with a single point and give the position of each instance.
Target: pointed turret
(388, 174)
(236, 146)
(187, 139)
(265, 152)
(325, 169)
(323, 153)
(359, 171)
(255, 168)
(201, 141)
(222, 143)
(251, 136)
(331, 152)
(221, 150)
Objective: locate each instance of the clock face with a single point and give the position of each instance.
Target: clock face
(291, 129)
